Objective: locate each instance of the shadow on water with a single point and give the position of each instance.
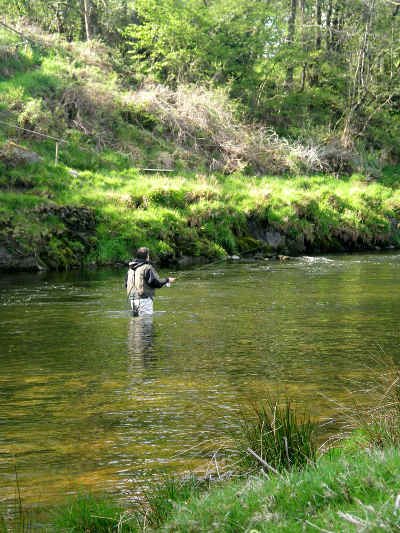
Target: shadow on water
(93, 398)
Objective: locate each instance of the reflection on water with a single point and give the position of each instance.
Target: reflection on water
(140, 343)
(92, 397)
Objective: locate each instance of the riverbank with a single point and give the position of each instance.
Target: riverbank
(52, 218)
(346, 491)
(225, 186)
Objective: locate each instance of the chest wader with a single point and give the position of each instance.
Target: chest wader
(137, 288)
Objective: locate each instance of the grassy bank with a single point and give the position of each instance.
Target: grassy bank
(344, 492)
(231, 183)
(191, 214)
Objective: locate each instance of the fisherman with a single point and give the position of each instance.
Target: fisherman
(141, 282)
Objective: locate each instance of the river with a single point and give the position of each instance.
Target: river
(91, 398)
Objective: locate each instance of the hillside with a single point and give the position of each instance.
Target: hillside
(224, 185)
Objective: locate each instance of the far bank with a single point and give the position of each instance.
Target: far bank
(54, 218)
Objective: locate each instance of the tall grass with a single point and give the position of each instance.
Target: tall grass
(276, 436)
(374, 420)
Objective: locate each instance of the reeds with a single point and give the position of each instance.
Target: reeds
(275, 436)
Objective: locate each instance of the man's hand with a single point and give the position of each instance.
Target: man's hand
(171, 280)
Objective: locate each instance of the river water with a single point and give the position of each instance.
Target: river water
(91, 398)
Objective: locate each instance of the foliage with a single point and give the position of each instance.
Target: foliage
(68, 18)
(195, 40)
(316, 71)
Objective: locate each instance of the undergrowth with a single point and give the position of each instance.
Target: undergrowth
(75, 90)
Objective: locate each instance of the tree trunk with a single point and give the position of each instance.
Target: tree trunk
(86, 16)
(359, 84)
(318, 44)
(318, 16)
(328, 25)
(290, 40)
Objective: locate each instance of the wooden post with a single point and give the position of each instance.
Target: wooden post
(56, 159)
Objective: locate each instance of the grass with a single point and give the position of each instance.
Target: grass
(346, 490)
(209, 215)
(281, 438)
(342, 492)
(87, 513)
(161, 499)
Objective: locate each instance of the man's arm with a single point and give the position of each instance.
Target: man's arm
(153, 280)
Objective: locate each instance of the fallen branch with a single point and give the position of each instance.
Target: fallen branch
(249, 450)
(17, 32)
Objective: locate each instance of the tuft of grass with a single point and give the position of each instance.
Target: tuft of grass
(281, 437)
(162, 498)
(93, 514)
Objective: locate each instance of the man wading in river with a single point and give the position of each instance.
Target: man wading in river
(141, 282)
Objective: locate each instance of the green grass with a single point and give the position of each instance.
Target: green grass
(340, 489)
(280, 436)
(87, 513)
(207, 214)
(346, 490)
(160, 500)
